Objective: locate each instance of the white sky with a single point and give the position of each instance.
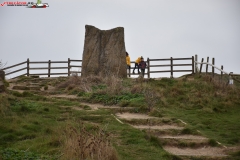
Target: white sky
(153, 28)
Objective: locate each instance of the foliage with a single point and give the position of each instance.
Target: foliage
(10, 153)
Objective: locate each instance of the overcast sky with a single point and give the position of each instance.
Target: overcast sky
(153, 28)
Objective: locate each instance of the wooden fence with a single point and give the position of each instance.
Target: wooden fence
(170, 64)
(197, 70)
(49, 68)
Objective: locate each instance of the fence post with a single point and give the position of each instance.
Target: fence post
(28, 67)
(207, 65)
(230, 81)
(192, 65)
(171, 59)
(148, 65)
(221, 72)
(196, 59)
(49, 67)
(68, 66)
(201, 65)
(213, 62)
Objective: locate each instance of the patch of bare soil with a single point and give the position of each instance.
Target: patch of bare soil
(11, 85)
(96, 106)
(162, 127)
(204, 151)
(133, 116)
(72, 107)
(183, 137)
(64, 96)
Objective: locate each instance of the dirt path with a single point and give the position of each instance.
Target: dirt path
(205, 151)
(173, 142)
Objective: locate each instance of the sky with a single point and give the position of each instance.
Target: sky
(152, 28)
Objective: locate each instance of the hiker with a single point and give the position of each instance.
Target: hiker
(128, 61)
(137, 64)
(142, 66)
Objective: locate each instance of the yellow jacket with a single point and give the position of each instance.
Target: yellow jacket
(128, 60)
(138, 60)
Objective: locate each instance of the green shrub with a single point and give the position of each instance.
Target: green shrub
(45, 87)
(124, 103)
(186, 131)
(212, 142)
(27, 94)
(16, 154)
(17, 94)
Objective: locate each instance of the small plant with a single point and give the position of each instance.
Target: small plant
(86, 107)
(151, 97)
(10, 153)
(17, 94)
(27, 94)
(183, 144)
(124, 103)
(186, 131)
(46, 109)
(212, 142)
(45, 87)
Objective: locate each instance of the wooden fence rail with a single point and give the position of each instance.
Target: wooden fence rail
(49, 68)
(230, 74)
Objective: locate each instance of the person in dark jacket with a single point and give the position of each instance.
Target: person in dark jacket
(142, 66)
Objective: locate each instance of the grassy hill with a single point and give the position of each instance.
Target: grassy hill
(40, 124)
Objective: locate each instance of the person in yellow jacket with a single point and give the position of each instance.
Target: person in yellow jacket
(137, 64)
(128, 61)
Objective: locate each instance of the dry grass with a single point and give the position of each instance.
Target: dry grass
(83, 144)
(113, 84)
(80, 83)
(151, 97)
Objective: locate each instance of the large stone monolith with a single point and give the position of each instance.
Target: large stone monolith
(104, 52)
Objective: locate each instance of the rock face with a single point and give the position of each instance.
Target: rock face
(104, 52)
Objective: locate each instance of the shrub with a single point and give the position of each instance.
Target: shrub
(46, 87)
(87, 144)
(212, 142)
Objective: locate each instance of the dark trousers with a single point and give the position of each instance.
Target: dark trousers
(136, 65)
(142, 72)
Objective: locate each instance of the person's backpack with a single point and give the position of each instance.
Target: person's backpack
(143, 65)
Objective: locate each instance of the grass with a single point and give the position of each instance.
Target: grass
(41, 128)
(209, 107)
(49, 127)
